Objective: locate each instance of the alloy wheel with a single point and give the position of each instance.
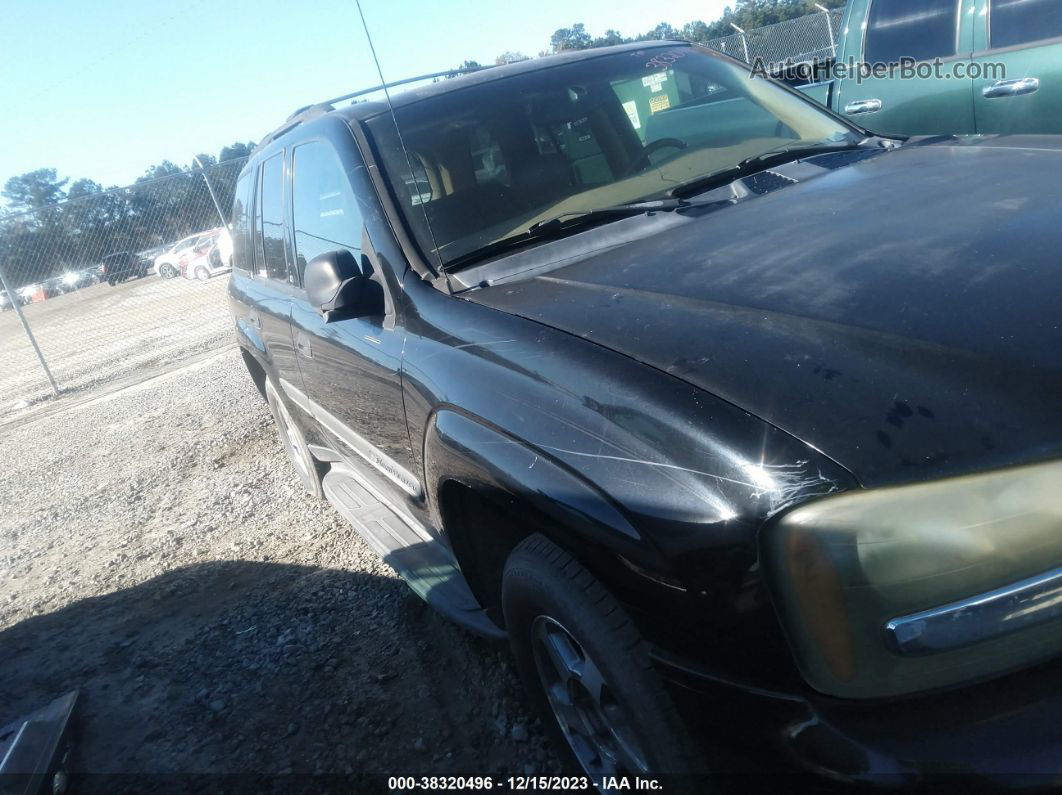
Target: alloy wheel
(595, 724)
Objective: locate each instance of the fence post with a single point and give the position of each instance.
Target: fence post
(217, 204)
(829, 28)
(25, 326)
(744, 41)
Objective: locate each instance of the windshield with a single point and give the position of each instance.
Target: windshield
(490, 160)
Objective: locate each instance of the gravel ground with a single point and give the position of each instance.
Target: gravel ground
(157, 553)
(102, 334)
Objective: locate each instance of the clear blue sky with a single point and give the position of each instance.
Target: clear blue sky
(105, 89)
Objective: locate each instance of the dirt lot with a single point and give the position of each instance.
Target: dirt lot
(157, 553)
(101, 334)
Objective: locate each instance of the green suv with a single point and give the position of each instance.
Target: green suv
(1000, 66)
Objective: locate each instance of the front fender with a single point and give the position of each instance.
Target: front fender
(463, 449)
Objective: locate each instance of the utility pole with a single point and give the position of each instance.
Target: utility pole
(217, 204)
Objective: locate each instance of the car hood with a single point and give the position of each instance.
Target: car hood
(900, 314)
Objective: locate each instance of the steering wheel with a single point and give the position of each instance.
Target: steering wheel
(642, 160)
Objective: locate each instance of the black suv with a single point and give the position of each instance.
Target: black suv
(675, 378)
(123, 265)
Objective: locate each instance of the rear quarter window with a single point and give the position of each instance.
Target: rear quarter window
(241, 229)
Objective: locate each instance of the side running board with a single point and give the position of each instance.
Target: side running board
(426, 566)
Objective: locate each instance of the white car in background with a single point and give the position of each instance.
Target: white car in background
(168, 263)
(210, 256)
(31, 293)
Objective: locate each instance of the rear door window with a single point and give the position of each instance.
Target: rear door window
(1016, 22)
(271, 215)
(918, 29)
(326, 212)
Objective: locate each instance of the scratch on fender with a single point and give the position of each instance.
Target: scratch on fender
(658, 464)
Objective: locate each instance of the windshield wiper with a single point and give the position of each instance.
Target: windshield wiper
(621, 210)
(790, 153)
(751, 165)
(557, 227)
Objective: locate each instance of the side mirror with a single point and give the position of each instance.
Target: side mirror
(336, 286)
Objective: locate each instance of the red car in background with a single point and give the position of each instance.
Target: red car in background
(211, 255)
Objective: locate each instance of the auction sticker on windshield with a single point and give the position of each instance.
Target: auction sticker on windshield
(657, 104)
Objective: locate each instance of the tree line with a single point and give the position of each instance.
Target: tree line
(52, 225)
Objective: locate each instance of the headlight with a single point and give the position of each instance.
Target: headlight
(911, 588)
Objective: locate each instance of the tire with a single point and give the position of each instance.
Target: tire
(568, 633)
(202, 274)
(111, 281)
(167, 271)
(309, 470)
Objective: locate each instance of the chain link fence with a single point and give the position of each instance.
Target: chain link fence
(797, 40)
(111, 285)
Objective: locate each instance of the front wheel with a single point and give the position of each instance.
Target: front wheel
(111, 281)
(589, 674)
(202, 273)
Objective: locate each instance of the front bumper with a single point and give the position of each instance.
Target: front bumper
(1001, 734)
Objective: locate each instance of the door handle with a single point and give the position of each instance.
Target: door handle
(254, 319)
(863, 106)
(1011, 88)
(302, 345)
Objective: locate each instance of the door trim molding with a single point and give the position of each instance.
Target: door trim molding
(365, 449)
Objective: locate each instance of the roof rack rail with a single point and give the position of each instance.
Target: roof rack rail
(308, 112)
(301, 116)
(446, 73)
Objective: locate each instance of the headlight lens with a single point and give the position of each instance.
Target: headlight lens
(905, 589)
